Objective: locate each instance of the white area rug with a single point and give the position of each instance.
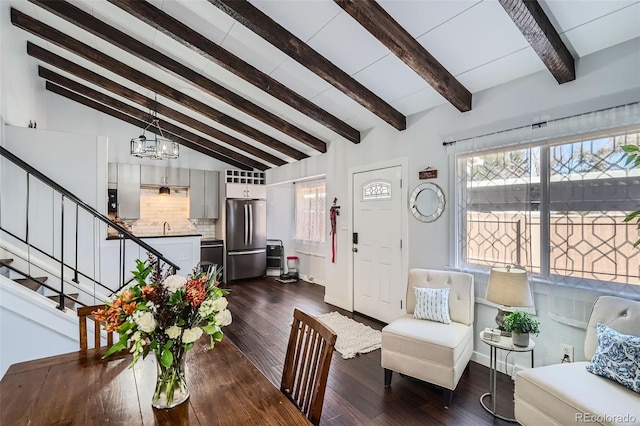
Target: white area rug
(353, 337)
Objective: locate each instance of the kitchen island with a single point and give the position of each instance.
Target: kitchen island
(181, 249)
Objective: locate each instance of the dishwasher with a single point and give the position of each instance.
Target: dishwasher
(211, 253)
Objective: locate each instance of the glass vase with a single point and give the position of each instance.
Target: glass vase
(171, 387)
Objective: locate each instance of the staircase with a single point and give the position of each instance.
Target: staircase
(35, 284)
(32, 283)
(5, 262)
(59, 262)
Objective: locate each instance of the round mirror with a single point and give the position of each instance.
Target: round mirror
(427, 202)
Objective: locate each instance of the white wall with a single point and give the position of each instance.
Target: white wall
(604, 79)
(31, 327)
(20, 91)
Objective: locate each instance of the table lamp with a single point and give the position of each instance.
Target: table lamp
(508, 287)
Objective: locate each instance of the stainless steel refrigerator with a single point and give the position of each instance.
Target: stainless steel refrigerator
(246, 238)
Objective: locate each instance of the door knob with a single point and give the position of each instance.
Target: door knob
(355, 249)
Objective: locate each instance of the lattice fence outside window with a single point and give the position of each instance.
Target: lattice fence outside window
(557, 209)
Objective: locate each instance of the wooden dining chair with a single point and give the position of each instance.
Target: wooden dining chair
(306, 365)
(84, 313)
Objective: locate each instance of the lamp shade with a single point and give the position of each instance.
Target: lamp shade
(509, 287)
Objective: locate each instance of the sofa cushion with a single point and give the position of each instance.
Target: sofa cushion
(461, 298)
(571, 395)
(440, 343)
(432, 304)
(620, 314)
(617, 357)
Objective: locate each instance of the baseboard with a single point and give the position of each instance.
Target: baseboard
(311, 279)
(483, 359)
(337, 302)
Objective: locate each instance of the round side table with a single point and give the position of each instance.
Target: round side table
(505, 344)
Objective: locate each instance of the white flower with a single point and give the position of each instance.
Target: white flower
(190, 335)
(173, 331)
(146, 322)
(206, 308)
(174, 282)
(219, 305)
(223, 318)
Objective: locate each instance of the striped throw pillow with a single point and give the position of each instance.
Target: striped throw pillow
(432, 304)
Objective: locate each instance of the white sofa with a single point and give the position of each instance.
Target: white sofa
(567, 394)
(428, 350)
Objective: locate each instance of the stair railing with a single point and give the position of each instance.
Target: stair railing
(123, 233)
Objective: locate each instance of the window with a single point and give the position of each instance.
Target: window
(557, 208)
(376, 191)
(310, 211)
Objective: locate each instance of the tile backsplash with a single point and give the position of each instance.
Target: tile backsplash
(156, 209)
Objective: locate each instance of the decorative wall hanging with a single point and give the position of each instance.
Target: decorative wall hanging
(428, 173)
(334, 212)
(427, 202)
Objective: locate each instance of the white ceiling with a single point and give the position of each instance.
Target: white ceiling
(475, 40)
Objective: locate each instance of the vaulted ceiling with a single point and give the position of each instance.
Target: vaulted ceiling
(263, 83)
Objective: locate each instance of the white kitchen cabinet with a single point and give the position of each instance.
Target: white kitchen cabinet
(163, 176)
(244, 190)
(203, 194)
(129, 191)
(245, 184)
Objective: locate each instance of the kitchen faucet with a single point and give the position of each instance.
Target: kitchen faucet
(165, 227)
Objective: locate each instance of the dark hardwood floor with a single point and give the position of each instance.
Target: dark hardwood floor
(262, 313)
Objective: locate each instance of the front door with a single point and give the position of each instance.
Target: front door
(377, 254)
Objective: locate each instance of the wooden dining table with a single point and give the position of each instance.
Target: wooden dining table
(82, 388)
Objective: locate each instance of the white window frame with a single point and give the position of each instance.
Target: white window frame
(514, 139)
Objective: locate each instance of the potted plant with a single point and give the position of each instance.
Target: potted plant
(520, 324)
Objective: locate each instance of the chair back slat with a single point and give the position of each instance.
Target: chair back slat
(306, 365)
(310, 375)
(85, 313)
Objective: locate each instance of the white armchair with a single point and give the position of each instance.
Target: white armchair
(567, 394)
(432, 351)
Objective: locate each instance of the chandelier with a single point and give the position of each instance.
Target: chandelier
(158, 147)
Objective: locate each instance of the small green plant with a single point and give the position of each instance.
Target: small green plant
(632, 154)
(521, 322)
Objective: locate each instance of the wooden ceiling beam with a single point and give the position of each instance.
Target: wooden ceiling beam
(58, 38)
(195, 41)
(261, 24)
(89, 23)
(536, 27)
(382, 26)
(145, 117)
(113, 87)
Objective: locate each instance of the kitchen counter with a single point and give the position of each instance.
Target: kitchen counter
(212, 241)
(118, 237)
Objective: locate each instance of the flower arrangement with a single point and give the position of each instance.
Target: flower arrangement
(166, 314)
